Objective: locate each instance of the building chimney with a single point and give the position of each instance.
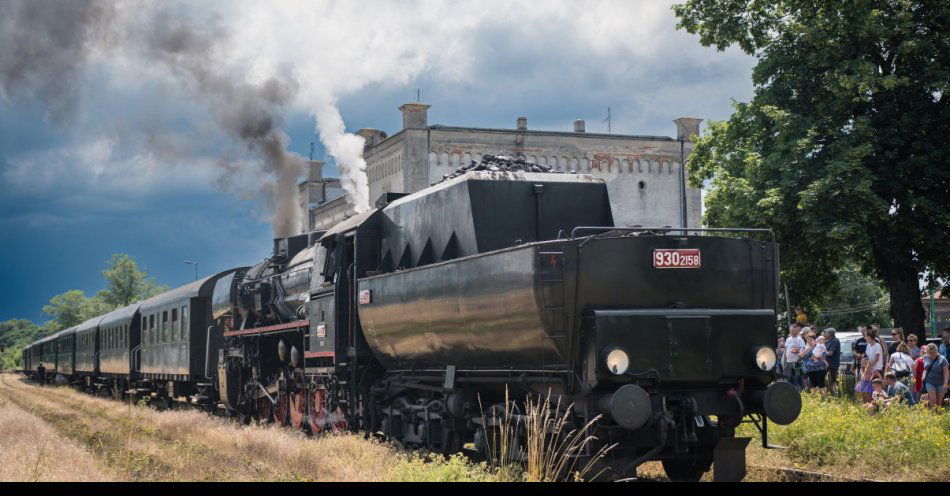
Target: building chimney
(522, 123)
(372, 136)
(314, 170)
(579, 126)
(414, 116)
(687, 127)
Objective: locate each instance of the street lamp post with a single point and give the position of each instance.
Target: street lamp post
(189, 262)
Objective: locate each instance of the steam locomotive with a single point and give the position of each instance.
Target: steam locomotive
(419, 317)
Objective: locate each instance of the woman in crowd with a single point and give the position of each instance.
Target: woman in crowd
(814, 365)
(936, 376)
(902, 365)
(871, 364)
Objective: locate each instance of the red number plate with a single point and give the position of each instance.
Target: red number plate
(685, 258)
(366, 296)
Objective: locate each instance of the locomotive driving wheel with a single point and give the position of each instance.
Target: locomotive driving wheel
(282, 408)
(316, 410)
(264, 409)
(298, 408)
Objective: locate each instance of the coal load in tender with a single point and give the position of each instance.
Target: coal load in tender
(500, 163)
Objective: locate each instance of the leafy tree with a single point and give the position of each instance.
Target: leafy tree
(14, 335)
(843, 149)
(125, 283)
(71, 308)
(859, 300)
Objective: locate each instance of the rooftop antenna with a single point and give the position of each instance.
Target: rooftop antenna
(418, 95)
(312, 147)
(607, 120)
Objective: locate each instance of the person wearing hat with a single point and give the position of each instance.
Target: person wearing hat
(833, 352)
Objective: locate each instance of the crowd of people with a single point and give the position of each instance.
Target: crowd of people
(908, 370)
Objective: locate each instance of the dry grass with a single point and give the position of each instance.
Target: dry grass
(142, 444)
(32, 451)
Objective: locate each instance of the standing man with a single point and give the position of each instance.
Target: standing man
(794, 344)
(833, 352)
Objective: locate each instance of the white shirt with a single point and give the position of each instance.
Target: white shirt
(874, 350)
(793, 342)
(819, 351)
(903, 357)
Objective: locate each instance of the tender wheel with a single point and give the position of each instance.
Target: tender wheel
(687, 470)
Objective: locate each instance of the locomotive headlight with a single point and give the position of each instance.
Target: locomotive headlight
(765, 358)
(617, 361)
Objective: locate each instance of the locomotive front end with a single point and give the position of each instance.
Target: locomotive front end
(677, 336)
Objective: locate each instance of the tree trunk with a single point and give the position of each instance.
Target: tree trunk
(900, 275)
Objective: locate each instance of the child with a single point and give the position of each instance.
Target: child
(820, 352)
(878, 396)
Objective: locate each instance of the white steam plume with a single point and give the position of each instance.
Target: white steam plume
(347, 149)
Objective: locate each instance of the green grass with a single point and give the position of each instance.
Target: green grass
(457, 468)
(840, 436)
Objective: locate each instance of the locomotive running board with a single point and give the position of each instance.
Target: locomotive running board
(269, 329)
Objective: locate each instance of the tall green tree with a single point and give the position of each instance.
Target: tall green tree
(859, 300)
(73, 308)
(126, 283)
(843, 149)
(14, 335)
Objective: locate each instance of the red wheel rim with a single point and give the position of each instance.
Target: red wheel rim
(316, 412)
(337, 420)
(281, 408)
(298, 408)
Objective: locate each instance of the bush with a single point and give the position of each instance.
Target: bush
(903, 441)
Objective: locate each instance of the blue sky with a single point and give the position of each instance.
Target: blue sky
(135, 166)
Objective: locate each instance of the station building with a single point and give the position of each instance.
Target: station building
(643, 173)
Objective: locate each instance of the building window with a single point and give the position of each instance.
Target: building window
(625, 165)
(444, 159)
(455, 160)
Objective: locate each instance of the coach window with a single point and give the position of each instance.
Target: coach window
(175, 327)
(184, 322)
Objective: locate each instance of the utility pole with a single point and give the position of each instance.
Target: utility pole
(607, 120)
(189, 262)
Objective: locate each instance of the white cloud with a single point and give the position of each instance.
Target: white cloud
(487, 56)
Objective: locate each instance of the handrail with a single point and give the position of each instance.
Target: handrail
(665, 230)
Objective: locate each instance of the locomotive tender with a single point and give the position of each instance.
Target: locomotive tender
(418, 317)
